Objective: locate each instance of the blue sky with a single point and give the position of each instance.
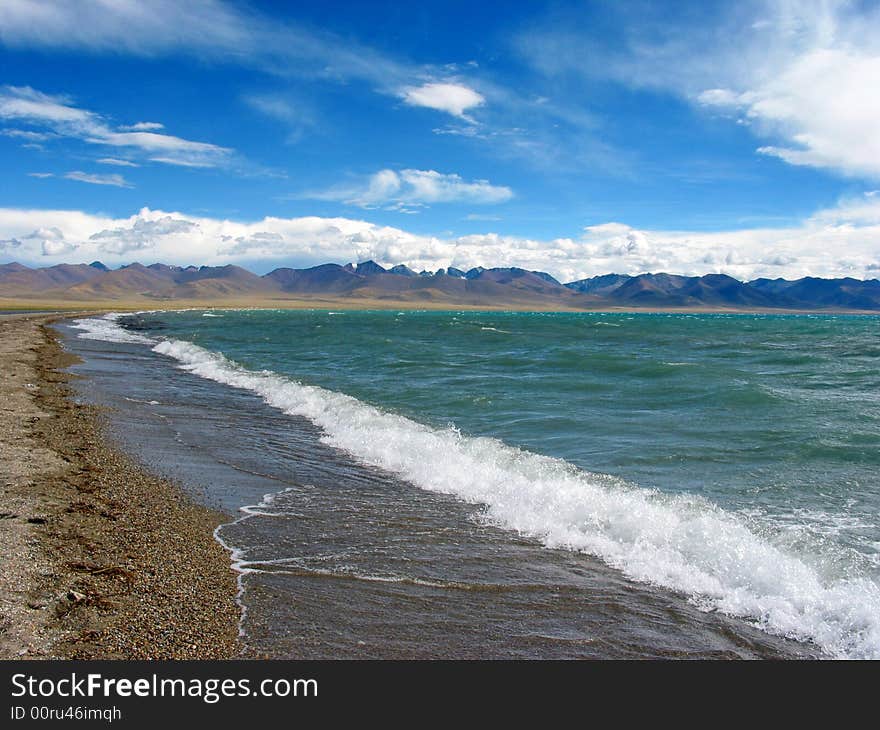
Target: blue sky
(575, 137)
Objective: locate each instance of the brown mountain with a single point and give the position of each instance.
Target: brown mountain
(159, 281)
(369, 282)
(17, 278)
(324, 279)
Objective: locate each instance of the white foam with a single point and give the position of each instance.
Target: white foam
(675, 541)
(236, 556)
(106, 328)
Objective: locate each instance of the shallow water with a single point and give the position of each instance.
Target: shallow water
(472, 484)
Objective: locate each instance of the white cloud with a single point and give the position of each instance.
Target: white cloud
(57, 248)
(383, 187)
(220, 31)
(116, 161)
(167, 148)
(127, 26)
(841, 241)
(409, 188)
(452, 98)
(49, 241)
(429, 186)
(26, 134)
(58, 114)
(114, 180)
(800, 75)
(249, 242)
(821, 105)
(142, 127)
(548, 133)
(41, 174)
(141, 234)
(719, 98)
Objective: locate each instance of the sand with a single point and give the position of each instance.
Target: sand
(101, 559)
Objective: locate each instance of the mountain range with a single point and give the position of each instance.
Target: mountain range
(76, 284)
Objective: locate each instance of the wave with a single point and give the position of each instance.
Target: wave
(107, 328)
(678, 542)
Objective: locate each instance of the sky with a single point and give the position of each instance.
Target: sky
(577, 138)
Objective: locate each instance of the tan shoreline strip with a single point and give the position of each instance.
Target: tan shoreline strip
(100, 558)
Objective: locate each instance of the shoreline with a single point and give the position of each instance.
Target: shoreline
(65, 308)
(103, 560)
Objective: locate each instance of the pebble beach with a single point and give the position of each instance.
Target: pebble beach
(102, 559)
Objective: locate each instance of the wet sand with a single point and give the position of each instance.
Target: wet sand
(101, 559)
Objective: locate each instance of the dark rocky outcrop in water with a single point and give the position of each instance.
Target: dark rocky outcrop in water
(500, 286)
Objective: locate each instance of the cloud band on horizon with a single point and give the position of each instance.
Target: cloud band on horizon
(30, 236)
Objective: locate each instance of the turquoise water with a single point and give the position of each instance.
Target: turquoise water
(733, 458)
(758, 413)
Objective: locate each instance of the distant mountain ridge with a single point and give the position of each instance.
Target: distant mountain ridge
(479, 286)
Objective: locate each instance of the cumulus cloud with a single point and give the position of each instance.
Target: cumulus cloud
(63, 118)
(407, 189)
(46, 241)
(429, 186)
(453, 98)
(840, 241)
(57, 248)
(258, 241)
(143, 233)
(114, 180)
